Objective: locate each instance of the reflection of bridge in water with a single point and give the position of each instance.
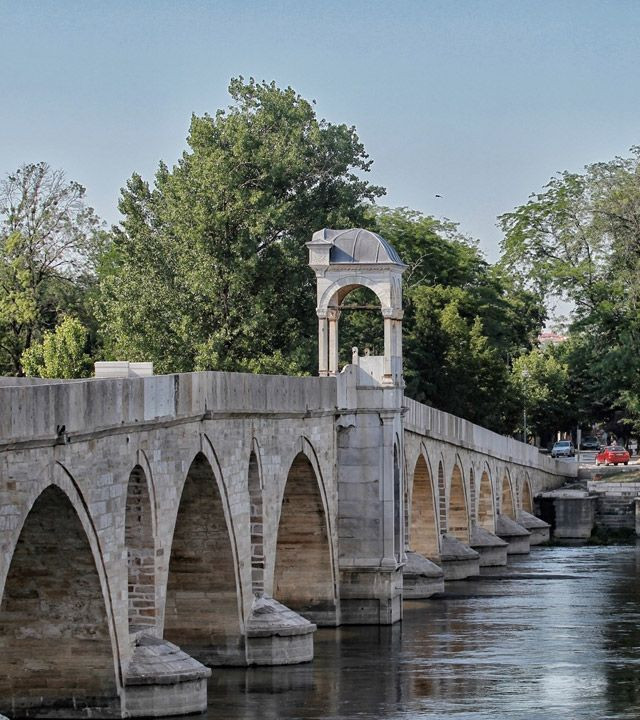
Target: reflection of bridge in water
(230, 514)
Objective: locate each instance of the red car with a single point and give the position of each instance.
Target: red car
(612, 454)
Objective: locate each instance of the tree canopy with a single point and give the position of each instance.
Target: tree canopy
(580, 239)
(209, 267)
(49, 240)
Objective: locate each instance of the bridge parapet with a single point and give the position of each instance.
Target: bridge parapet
(430, 422)
(37, 412)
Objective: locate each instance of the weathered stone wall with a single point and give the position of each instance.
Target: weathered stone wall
(615, 507)
(160, 425)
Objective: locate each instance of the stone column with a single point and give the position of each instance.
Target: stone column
(323, 344)
(333, 315)
(392, 345)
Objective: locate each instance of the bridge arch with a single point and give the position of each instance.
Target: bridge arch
(526, 499)
(140, 533)
(304, 576)
(57, 638)
(486, 501)
(203, 607)
(507, 499)
(458, 512)
(424, 529)
(256, 518)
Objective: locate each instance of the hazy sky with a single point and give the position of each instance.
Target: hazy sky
(478, 101)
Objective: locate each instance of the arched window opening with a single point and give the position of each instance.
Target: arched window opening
(458, 513)
(361, 325)
(507, 505)
(138, 536)
(255, 520)
(424, 528)
(486, 515)
(303, 577)
(54, 635)
(202, 608)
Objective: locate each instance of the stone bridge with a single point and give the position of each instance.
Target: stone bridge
(152, 528)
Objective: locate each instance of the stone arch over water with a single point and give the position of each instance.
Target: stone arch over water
(527, 495)
(201, 611)
(424, 531)
(256, 521)
(140, 544)
(507, 501)
(303, 574)
(486, 503)
(55, 642)
(458, 515)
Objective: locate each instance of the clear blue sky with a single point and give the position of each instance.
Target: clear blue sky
(478, 101)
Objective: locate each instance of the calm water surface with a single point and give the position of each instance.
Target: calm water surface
(556, 635)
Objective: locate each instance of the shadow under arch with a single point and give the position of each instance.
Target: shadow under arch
(458, 513)
(56, 628)
(486, 502)
(424, 531)
(202, 612)
(304, 577)
(507, 500)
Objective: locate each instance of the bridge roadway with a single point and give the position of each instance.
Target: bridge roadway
(153, 528)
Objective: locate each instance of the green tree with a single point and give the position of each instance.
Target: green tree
(540, 382)
(580, 239)
(208, 269)
(60, 353)
(464, 319)
(48, 242)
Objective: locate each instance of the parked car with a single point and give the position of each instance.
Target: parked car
(590, 442)
(612, 455)
(563, 448)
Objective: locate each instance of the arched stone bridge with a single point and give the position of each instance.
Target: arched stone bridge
(151, 528)
(165, 506)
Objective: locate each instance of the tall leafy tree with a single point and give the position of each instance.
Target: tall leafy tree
(464, 319)
(208, 269)
(580, 239)
(48, 241)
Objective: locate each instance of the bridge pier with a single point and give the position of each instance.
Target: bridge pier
(491, 548)
(421, 577)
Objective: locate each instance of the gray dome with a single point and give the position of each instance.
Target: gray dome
(357, 246)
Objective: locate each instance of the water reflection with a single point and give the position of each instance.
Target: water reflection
(556, 634)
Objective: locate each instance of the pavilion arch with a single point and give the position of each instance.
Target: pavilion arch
(256, 518)
(304, 577)
(458, 511)
(424, 531)
(507, 499)
(338, 291)
(486, 501)
(526, 496)
(203, 608)
(57, 631)
(141, 551)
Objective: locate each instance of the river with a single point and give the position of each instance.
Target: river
(554, 635)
